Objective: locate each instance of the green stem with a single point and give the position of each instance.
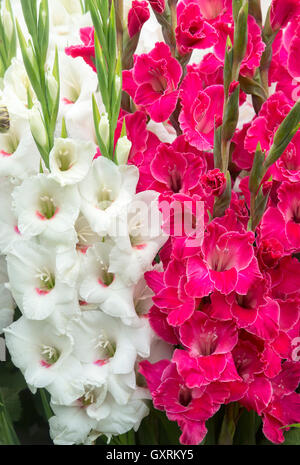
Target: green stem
(10, 436)
(231, 416)
(120, 24)
(47, 409)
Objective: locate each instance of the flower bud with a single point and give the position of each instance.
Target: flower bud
(137, 16)
(256, 174)
(38, 128)
(122, 150)
(223, 202)
(231, 114)
(104, 128)
(236, 6)
(261, 203)
(241, 34)
(158, 5)
(8, 25)
(213, 182)
(52, 87)
(4, 119)
(118, 84)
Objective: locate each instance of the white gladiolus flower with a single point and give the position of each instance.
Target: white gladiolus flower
(142, 297)
(36, 284)
(105, 191)
(66, 19)
(78, 84)
(7, 304)
(72, 425)
(100, 286)
(19, 156)
(70, 160)
(135, 250)
(45, 358)
(9, 231)
(76, 239)
(86, 237)
(104, 342)
(44, 207)
(16, 89)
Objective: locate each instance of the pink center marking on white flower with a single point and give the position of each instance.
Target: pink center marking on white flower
(101, 362)
(16, 229)
(67, 101)
(5, 154)
(45, 364)
(43, 217)
(42, 291)
(140, 246)
(82, 249)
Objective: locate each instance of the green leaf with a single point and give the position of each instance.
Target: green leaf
(247, 428)
(284, 135)
(292, 437)
(43, 30)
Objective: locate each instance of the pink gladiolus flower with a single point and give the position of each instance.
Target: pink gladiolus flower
(214, 182)
(227, 263)
(86, 51)
(153, 81)
(175, 168)
(282, 12)
(264, 126)
(192, 31)
(255, 45)
(201, 110)
(213, 9)
(292, 41)
(138, 14)
(208, 359)
(189, 407)
(171, 297)
(270, 252)
(210, 70)
(287, 168)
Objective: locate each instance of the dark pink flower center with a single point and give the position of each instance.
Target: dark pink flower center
(158, 82)
(185, 396)
(206, 343)
(296, 213)
(221, 259)
(175, 181)
(248, 301)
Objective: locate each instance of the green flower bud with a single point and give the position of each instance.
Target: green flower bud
(231, 115)
(241, 34)
(257, 171)
(4, 119)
